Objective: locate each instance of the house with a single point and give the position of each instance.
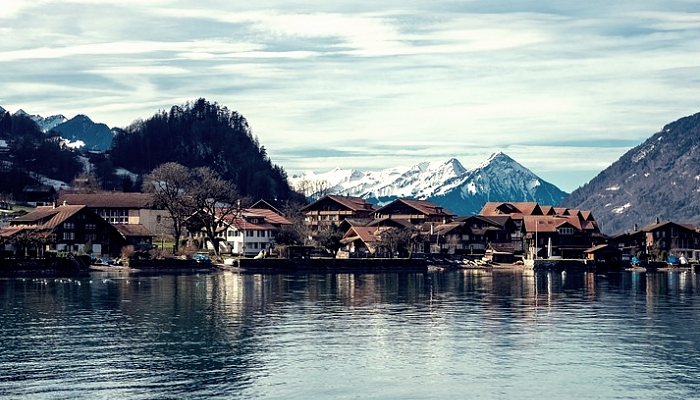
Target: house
(661, 239)
(332, 210)
(64, 228)
(562, 236)
(412, 212)
(246, 232)
(136, 235)
(119, 208)
(606, 256)
(39, 195)
(360, 241)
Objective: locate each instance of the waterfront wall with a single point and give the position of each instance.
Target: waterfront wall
(570, 264)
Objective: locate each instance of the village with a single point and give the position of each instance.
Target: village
(108, 225)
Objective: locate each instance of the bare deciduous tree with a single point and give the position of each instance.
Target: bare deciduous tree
(214, 199)
(168, 185)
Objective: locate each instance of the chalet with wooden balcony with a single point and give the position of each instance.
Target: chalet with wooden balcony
(659, 240)
(63, 228)
(467, 235)
(412, 213)
(332, 210)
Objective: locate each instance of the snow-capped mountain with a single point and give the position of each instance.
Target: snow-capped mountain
(448, 184)
(46, 124)
(79, 131)
(95, 136)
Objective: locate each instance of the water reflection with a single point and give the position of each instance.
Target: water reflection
(292, 336)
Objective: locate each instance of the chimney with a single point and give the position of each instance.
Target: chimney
(657, 220)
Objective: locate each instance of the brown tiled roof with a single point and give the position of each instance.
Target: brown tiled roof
(443, 229)
(47, 217)
(512, 208)
(547, 223)
(398, 222)
(422, 206)
(351, 202)
(35, 216)
(365, 233)
(127, 230)
(658, 225)
(547, 210)
(13, 230)
(273, 205)
(107, 199)
(269, 215)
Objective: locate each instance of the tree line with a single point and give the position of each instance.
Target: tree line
(199, 134)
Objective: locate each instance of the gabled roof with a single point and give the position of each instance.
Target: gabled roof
(364, 233)
(548, 223)
(511, 208)
(270, 215)
(548, 210)
(397, 222)
(422, 206)
(47, 217)
(660, 224)
(107, 199)
(350, 202)
(273, 205)
(131, 230)
(242, 224)
(241, 221)
(587, 215)
(444, 229)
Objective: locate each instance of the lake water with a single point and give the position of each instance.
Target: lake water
(465, 334)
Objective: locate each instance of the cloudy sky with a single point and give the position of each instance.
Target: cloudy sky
(565, 88)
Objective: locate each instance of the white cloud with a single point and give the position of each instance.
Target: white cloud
(442, 78)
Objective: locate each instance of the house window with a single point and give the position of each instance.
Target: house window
(566, 231)
(90, 237)
(91, 226)
(68, 225)
(68, 235)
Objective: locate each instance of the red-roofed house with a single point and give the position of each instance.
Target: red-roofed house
(247, 232)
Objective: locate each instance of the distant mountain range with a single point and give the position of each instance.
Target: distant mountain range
(660, 178)
(450, 185)
(80, 131)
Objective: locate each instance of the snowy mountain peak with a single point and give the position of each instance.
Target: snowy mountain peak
(448, 184)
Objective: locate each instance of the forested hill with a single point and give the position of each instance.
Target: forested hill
(202, 134)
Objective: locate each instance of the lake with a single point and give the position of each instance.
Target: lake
(464, 334)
